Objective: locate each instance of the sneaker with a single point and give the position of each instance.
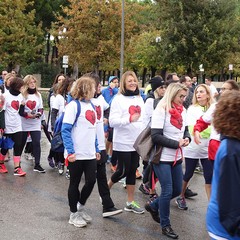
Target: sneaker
(83, 214)
(199, 170)
(134, 207)
(189, 193)
(111, 212)
(29, 156)
(77, 220)
(60, 168)
(144, 189)
(3, 168)
(67, 174)
(138, 174)
(154, 214)
(152, 197)
(39, 169)
(181, 202)
(113, 168)
(19, 172)
(51, 162)
(168, 231)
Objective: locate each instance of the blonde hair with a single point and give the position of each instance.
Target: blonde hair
(171, 92)
(26, 81)
(123, 79)
(83, 88)
(210, 99)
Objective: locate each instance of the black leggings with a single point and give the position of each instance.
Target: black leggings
(128, 163)
(76, 169)
(190, 165)
(17, 148)
(36, 138)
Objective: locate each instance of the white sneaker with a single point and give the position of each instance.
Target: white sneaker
(76, 220)
(83, 214)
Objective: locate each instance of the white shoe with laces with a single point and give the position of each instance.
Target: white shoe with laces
(76, 220)
(83, 213)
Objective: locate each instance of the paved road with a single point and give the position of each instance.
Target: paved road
(36, 207)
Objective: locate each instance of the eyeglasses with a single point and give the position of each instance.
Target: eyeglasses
(183, 96)
(223, 89)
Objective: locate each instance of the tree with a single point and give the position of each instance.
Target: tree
(93, 35)
(20, 38)
(199, 32)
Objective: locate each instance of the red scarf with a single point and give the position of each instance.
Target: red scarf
(176, 115)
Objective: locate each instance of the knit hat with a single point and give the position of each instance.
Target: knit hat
(156, 82)
(111, 78)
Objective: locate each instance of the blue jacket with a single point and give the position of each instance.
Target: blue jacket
(223, 215)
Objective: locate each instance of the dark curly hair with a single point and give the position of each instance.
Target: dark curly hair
(226, 116)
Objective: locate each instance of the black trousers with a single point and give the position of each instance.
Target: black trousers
(76, 169)
(103, 189)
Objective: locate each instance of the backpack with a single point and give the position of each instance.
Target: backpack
(57, 141)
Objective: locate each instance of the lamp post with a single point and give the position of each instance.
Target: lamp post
(122, 42)
(201, 69)
(230, 67)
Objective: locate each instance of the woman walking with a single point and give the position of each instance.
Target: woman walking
(126, 117)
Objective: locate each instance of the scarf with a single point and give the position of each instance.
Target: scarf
(176, 115)
(31, 91)
(131, 93)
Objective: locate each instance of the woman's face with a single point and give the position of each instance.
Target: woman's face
(180, 97)
(161, 90)
(201, 96)
(225, 86)
(61, 78)
(131, 83)
(32, 84)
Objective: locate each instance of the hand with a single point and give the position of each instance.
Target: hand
(134, 117)
(98, 156)
(181, 142)
(72, 157)
(32, 116)
(186, 142)
(197, 137)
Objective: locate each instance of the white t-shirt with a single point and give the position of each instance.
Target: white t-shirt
(148, 111)
(13, 121)
(84, 131)
(59, 103)
(161, 120)
(125, 132)
(100, 106)
(33, 102)
(194, 150)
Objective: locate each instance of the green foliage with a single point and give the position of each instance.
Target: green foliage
(20, 39)
(199, 32)
(48, 72)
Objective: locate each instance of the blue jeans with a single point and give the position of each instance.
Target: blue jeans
(170, 179)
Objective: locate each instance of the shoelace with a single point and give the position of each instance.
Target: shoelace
(134, 204)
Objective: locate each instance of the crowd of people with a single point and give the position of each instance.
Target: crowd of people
(194, 123)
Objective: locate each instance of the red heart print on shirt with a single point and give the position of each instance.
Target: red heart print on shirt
(15, 104)
(134, 109)
(99, 112)
(31, 104)
(90, 116)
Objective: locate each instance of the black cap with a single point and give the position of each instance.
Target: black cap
(156, 82)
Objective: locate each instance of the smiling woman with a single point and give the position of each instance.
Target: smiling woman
(126, 117)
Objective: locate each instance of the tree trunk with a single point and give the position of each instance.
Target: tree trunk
(47, 48)
(153, 71)
(144, 76)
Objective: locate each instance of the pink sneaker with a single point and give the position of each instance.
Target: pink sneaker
(19, 172)
(3, 168)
